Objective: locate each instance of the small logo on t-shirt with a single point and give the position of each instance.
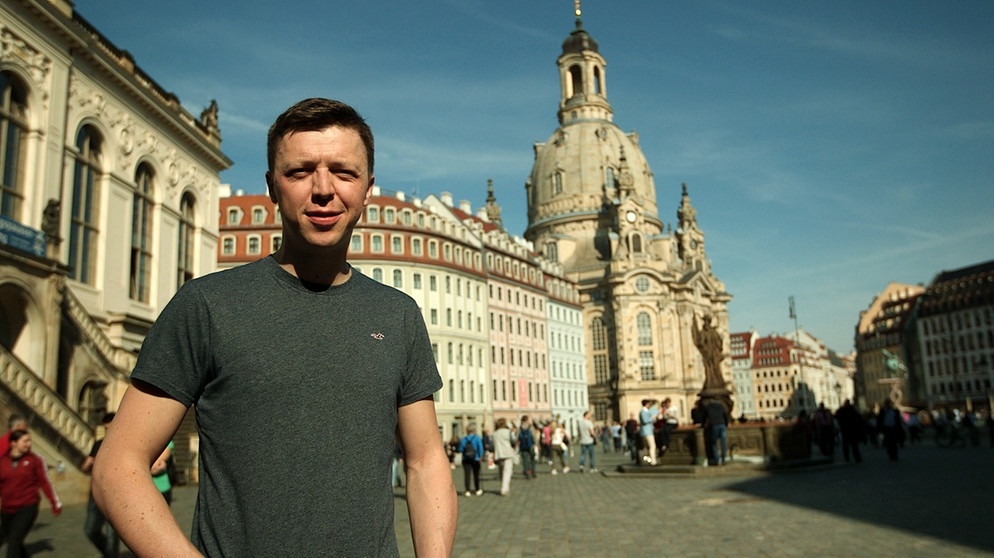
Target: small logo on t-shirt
(377, 336)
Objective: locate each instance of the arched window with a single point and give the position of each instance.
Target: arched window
(643, 324)
(83, 231)
(636, 243)
(141, 232)
(576, 81)
(598, 81)
(187, 230)
(598, 334)
(13, 132)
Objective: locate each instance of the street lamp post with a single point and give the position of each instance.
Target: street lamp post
(800, 357)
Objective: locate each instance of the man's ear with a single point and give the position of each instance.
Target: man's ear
(271, 188)
(369, 191)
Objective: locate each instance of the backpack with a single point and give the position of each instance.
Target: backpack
(469, 451)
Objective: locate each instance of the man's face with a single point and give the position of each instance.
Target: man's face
(21, 446)
(321, 182)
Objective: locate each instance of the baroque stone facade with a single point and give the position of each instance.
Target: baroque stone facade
(109, 194)
(645, 283)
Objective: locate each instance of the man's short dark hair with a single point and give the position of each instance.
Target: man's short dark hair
(316, 114)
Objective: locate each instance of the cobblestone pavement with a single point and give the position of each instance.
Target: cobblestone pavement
(932, 502)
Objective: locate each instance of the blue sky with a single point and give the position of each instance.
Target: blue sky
(829, 147)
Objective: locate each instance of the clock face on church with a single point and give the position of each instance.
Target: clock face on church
(631, 216)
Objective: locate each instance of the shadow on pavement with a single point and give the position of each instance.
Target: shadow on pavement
(929, 491)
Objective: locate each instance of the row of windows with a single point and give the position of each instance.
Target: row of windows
(531, 329)
(455, 318)
(259, 214)
(963, 342)
(88, 175)
(513, 392)
(775, 388)
(513, 268)
(524, 357)
(567, 371)
(469, 258)
(980, 387)
(569, 398)
(978, 318)
(567, 342)
(417, 282)
(962, 365)
(462, 391)
(775, 373)
(418, 246)
(772, 404)
(459, 354)
(253, 244)
(564, 315)
(458, 323)
(533, 302)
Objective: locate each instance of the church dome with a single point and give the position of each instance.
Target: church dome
(585, 165)
(579, 41)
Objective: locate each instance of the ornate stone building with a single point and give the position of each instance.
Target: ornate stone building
(645, 283)
(109, 197)
(882, 342)
(952, 348)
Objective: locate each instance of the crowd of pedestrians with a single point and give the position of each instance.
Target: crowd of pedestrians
(890, 428)
(528, 447)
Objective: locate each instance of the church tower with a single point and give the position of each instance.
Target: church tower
(645, 283)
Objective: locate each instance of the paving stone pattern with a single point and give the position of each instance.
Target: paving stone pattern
(931, 502)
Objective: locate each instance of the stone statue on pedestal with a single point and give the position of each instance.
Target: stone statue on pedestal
(711, 346)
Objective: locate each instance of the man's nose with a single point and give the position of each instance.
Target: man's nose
(323, 185)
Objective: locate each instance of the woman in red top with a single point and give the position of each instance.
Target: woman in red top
(22, 474)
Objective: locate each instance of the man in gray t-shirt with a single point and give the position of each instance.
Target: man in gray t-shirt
(587, 439)
(303, 373)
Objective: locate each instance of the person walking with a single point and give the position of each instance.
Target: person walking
(632, 437)
(22, 475)
(526, 447)
(670, 422)
(160, 473)
(824, 425)
(647, 430)
(853, 430)
(560, 448)
(471, 448)
(716, 423)
(15, 422)
(97, 529)
(587, 443)
(891, 427)
(504, 453)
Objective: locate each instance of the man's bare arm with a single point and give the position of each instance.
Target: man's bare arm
(122, 482)
(431, 495)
